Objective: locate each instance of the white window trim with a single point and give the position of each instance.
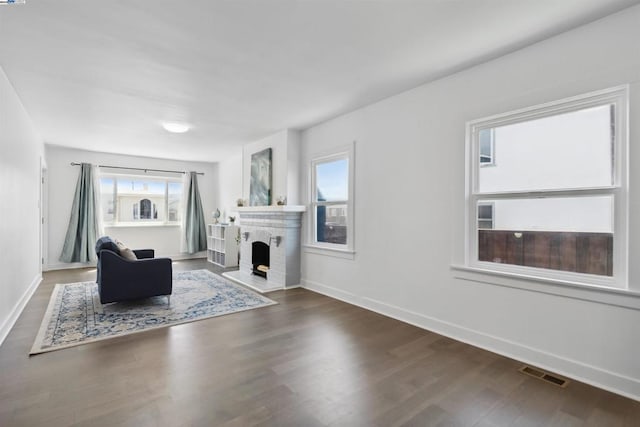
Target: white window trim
(141, 222)
(332, 249)
(619, 190)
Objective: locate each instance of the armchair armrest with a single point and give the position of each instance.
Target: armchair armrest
(144, 253)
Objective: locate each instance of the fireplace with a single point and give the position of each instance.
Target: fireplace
(269, 247)
(260, 258)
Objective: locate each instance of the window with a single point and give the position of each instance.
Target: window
(485, 215)
(555, 205)
(128, 199)
(485, 142)
(332, 201)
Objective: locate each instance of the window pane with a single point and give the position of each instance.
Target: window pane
(139, 186)
(485, 215)
(140, 199)
(569, 150)
(175, 196)
(332, 180)
(485, 211)
(563, 233)
(583, 214)
(485, 141)
(331, 225)
(106, 199)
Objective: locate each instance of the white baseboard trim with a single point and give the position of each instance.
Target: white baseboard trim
(597, 377)
(72, 265)
(17, 309)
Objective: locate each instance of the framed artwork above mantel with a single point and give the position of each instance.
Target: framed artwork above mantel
(260, 184)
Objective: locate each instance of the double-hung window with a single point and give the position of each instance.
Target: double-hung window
(136, 200)
(555, 205)
(332, 200)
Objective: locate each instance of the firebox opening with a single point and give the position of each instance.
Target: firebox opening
(260, 258)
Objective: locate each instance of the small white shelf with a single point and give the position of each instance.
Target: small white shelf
(222, 244)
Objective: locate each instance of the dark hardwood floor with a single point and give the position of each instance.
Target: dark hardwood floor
(308, 361)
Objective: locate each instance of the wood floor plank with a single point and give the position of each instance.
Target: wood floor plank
(308, 361)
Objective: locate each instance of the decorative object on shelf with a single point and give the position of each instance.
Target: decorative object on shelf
(260, 184)
(232, 219)
(282, 200)
(240, 203)
(216, 215)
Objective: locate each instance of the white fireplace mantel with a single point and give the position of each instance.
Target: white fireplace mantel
(283, 208)
(279, 227)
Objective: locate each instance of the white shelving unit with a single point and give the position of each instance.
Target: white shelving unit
(222, 244)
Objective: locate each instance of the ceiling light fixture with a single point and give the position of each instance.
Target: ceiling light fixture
(175, 127)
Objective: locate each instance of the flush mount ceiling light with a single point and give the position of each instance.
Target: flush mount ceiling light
(175, 127)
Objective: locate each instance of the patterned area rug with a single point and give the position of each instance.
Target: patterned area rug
(75, 315)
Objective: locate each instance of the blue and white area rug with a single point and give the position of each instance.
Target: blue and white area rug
(75, 315)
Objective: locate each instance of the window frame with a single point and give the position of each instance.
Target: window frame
(345, 152)
(619, 97)
(139, 222)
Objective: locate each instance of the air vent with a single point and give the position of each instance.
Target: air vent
(544, 376)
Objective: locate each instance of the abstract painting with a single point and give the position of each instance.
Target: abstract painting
(260, 185)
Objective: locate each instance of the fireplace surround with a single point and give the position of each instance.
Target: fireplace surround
(275, 229)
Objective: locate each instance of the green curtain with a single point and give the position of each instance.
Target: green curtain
(195, 230)
(83, 230)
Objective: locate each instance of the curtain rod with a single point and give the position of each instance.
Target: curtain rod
(137, 169)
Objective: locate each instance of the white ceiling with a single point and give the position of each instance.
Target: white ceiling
(103, 75)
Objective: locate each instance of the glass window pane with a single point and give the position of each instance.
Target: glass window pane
(332, 180)
(140, 199)
(485, 141)
(175, 196)
(485, 211)
(140, 186)
(559, 233)
(106, 199)
(331, 224)
(582, 214)
(565, 151)
(485, 215)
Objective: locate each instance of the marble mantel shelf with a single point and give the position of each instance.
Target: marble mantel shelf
(285, 208)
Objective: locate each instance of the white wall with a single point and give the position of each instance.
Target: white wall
(285, 158)
(62, 179)
(230, 174)
(410, 207)
(21, 149)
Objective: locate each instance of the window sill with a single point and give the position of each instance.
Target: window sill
(327, 251)
(600, 294)
(142, 225)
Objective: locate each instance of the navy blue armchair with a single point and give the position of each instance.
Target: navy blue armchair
(121, 279)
